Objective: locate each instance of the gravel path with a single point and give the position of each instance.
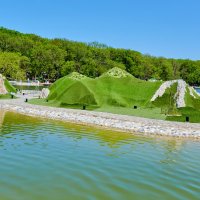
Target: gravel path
(130, 124)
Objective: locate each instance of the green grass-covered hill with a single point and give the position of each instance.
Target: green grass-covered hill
(9, 88)
(117, 91)
(114, 88)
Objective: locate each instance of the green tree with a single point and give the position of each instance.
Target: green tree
(53, 58)
(47, 61)
(10, 65)
(67, 68)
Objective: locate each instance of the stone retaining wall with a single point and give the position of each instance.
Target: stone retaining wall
(132, 124)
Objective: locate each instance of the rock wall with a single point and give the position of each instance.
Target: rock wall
(2, 86)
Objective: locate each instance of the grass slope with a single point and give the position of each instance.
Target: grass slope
(103, 91)
(192, 109)
(167, 103)
(8, 86)
(117, 92)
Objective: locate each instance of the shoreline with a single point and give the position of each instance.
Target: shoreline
(131, 124)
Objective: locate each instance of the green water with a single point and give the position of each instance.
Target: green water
(41, 159)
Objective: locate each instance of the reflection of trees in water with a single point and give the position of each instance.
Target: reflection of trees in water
(171, 148)
(113, 139)
(113, 143)
(34, 127)
(16, 125)
(14, 121)
(2, 115)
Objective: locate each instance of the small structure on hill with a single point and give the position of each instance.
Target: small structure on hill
(76, 76)
(116, 73)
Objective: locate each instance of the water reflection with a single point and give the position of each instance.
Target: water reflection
(46, 159)
(172, 147)
(31, 130)
(11, 121)
(2, 115)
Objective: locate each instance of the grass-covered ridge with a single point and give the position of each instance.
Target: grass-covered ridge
(5, 88)
(114, 88)
(118, 92)
(8, 86)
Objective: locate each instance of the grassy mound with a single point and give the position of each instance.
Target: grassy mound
(8, 86)
(119, 93)
(77, 93)
(72, 90)
(9, 89)
(191, 101)
(123, 91)
(167, 103)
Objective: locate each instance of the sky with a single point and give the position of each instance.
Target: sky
(168, 28)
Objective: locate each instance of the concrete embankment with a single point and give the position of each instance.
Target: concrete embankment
(132, 124)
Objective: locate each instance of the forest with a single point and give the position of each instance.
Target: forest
(24, 56)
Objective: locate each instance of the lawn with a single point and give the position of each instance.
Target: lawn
(153, 113)
(193, 114)
(6, 96)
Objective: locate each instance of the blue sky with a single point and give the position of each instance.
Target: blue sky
(168, 28)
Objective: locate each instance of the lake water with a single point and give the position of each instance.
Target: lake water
(49, 160)
(197, 89)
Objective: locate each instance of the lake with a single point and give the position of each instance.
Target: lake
(197, 89)
(46, 160)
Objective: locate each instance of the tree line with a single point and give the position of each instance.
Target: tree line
(25, 56)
